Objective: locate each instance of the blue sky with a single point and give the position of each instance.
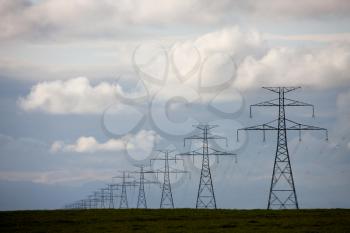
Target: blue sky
(89, 88)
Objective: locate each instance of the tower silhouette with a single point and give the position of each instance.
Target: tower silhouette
(167, 195)
(141, 199)
(206, 194)
(112, 188)
(125, 183)
(282, 193)
(124, 197)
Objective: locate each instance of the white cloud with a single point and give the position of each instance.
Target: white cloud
(41, 19)
(211, 57)
(79, 96)
(46, 19)
(322, 67)
(232, 40)
(296, 9)
(73, 96)
(142, 145)
(88, 144)
(318, 67)
(329, 37)
(142, 141)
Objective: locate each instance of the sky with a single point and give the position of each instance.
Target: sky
(91, 88)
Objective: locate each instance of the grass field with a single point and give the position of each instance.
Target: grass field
(178, 220)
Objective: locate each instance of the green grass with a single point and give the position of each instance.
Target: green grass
(178, 220)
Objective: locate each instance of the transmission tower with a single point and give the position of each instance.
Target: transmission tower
(125, 183)
(90, 201)
(80, 204)
(167, 196)
(95, 200)
(112, 189)
(104, 195)
(282, 190)
(141, 199)
(206, 195)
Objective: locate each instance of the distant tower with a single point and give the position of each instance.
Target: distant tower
(104, 196)
(282, 190)
(112, 195)
(123, 197)
(206, 194)
(167, 196)
(141, 199)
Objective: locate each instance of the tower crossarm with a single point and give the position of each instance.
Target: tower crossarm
(218, 152)
(262, 127)
(287, 103)
(127, 176)
(209, 137)
(291, 102)
(268, 103)
(265, 126)
(193, 137)
(192, 153)
(173, 170)
(113, 188)
(298, 126)
(169, 159)
(146, 181)
(292, 125)
(297, 103)
(278, 89)
(205, 126)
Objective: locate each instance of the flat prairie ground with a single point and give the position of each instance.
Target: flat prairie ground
(175, 220)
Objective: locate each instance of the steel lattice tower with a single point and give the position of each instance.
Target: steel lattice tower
(112, 195)
(96, 199)
(206, 194)
(282, 193)
(141, 199)
(104, 195)
(167, 195)
(124, 197)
